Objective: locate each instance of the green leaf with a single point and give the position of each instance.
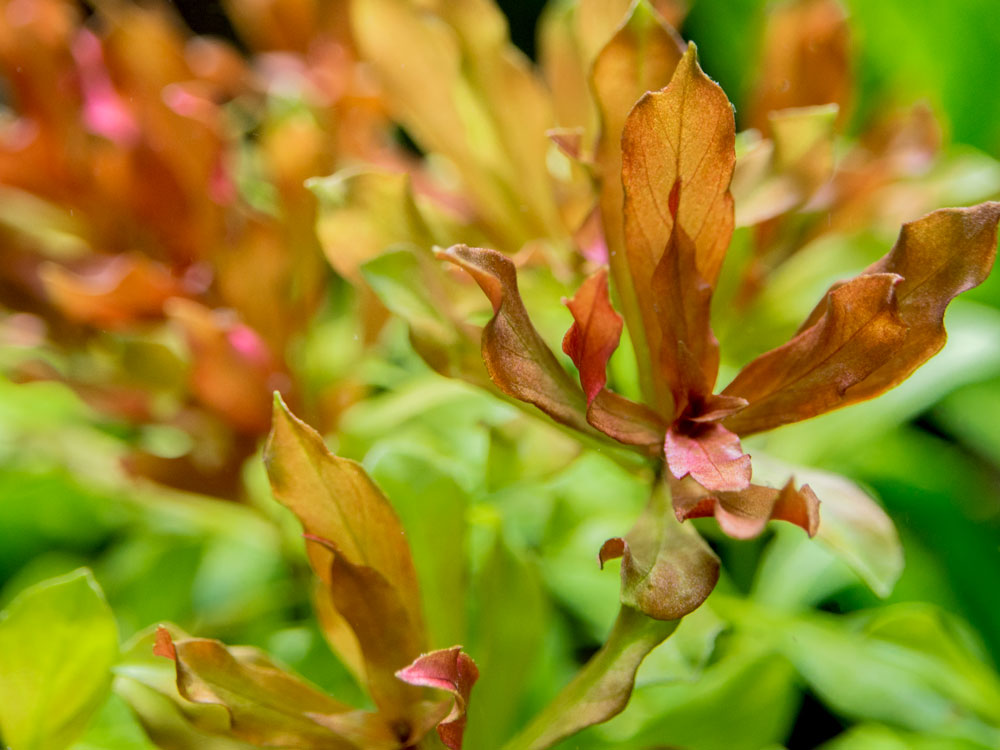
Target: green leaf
(746, 700)
(907, 665)
(602, 688)
(879, 737)
(510, 617)
(431, 506)
(58, 641)
(852, 525)
(114, 727)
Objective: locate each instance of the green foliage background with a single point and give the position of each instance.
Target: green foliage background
(448, 455)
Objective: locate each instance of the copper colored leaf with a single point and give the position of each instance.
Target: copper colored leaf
(667, 569)
(123, 289)
(267, 705)
(859, 330)
(626, 421)
(388, 638)
(595, 333)
(452, 670)
(678, 153)
(744, 514)
(710, 454)
(517, 359)
(233, 371)
(641, 56)
(939, 256)
(336, 501)
(806, 59)
(603, 687)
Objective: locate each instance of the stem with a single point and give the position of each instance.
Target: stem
(602, 688)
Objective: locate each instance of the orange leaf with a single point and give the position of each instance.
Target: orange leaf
(640, 57)
(116, 292)
(857, 332)
(595, 333)
(678, 153)
(939, 256)
(806, 60)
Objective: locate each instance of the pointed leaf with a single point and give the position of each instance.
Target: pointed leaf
(710, 454)
(678, 153)
(939, 256)
(641, 56)
(335, 500)
(58, 641)
(860, 329)
(595, 333)
(517, 359)
(590, 342)
(744, 514)
(667, 569)
(602, 689)
(266, 704)
(387, 637)
(452, 670)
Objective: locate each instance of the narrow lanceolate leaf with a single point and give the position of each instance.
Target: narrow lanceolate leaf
(859, 330)
(517, 359)
(267, 705)
(806, 59)
(641, 56)
(667, 569)
(678, 153)
(744, 514)
(451, 670)
(939, 256)
(377, 615)
(602, 688)
(595, 333)
(590, 342)
(337, 502)
(708, 453)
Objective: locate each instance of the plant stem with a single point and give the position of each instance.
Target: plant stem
(602, 688)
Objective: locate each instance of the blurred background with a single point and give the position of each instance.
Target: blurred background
(160, 280)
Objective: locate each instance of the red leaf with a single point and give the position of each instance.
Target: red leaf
(452, 670)
(595, 333)
(744, 514)
(710, 454)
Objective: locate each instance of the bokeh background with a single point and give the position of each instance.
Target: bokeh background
(200, 543)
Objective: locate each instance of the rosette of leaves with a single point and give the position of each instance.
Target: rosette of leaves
(143, 171)
(865, 336)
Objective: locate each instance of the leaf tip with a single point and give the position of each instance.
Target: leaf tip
(611, 550)
(164, 644)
